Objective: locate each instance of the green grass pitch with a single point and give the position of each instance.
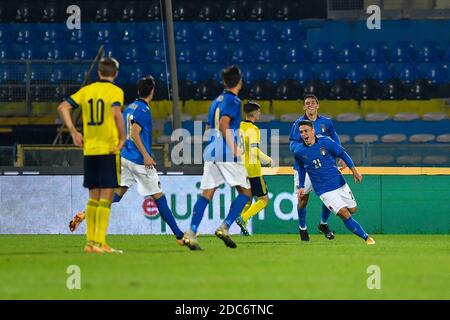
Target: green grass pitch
(262, 267)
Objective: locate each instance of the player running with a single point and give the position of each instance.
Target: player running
(138, 165)
(323, 126)
(317, 157)
(221, 160)
(253, 156)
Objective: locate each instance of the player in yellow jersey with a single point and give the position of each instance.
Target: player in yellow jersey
(253, 157)
(103, 137)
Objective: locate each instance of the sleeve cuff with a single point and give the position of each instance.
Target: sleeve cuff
(72, 102)
(116, 104)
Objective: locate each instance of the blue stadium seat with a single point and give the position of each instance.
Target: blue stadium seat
(186, 54)
(153, 32)
(194, 74)
(349, 52)
(379, 71)
(447, 54)
(242, 55)
(403, 52)
(251, 73)
(49, 35)
(103, 35)
(376, 52)
(184, 33)
(154, 52)
(291, 32)
(355, 73)
(302, 73)
(83, 52)
(429, 51)
(40, 72)
(13, 73)
(406, 72)
(263, 33)
(77, 36)
(130, 54)
(5, 52)
(435, 73)
(214, 54)
(52, 52)
(268, 54)
(209, 33)
(328, 73)
(235, 33)
(323, 53)
(274, 73)
(24, 35)
(127, 35)
(27, 52)
(293, 53)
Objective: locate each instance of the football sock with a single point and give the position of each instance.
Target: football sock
(116, 198)
(356, 228)
(102, 218)
(301, 217)
(236, 208)
(167, 216)
(254, 209)
(91, 210)
(325, 214)
(197, 212)
(247, 206)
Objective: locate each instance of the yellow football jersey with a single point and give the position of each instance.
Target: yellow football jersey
(99, 128)
(250, 139)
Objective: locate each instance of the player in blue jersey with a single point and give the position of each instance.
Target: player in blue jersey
(137, 164)
(221, 158)
(323, 126)
(316, 155)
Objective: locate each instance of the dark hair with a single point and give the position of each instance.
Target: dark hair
(306, 123)
(145, 86)
(231, 76)
(312, 96)
(251, 106)
(108, 67)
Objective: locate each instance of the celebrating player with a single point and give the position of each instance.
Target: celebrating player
(138, 166)
(324, 127)
(221, 159)
(253, 156)
(317, 157)
(104, 136)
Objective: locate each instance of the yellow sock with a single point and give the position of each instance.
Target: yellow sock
(91, 210)
(254, 209)
(102, 218)
(247, 206)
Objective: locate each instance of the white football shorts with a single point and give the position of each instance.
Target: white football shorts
(217, 173)
(340, 198)
(147, 180)
(308, 185)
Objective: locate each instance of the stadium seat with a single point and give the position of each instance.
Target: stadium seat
(380, 160)
(24, 36)
(207, 90)
(25, 12)
(214, 54)
(184, 10)
(186, 54)
(288, 90)
(406, 116)
(349, 52)
(394, 89)
(368, 89)
(235, 33)
(355, 73)
(151, 12)
(422, 138)
(129, 12)
(274, 73)
(344, 138)
(403, 52)
(329, 74)
(348, 117)
(316, 87)
(49, 12)
(323, 53)
(435, 73)
(419, 90)
(434, 116)
(393, 138)
(291, 32)
(153, 33)
(408, 73)
(301, 73)
(435, 160)
(286, 10)
(250, 73)
(293, 54)
(264, 33)
(260, 11)
(261, 90)
(77, 36)
(210, 33)
(376, 52)
(409, 159)
(443, 138)
(380, 72)
(184, 34)
(49, 35)
(209, 11)
(103, 35)
(127, 35)
(365, 138)
(103, 13)
(341, 89)
(268, 54)
(236, 10)
(242, 55)
(376, 117)
(429, 51)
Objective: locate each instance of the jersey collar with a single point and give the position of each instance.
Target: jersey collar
(228, 91)
(249, 121)
(143, 101)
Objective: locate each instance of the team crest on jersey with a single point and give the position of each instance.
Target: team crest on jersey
(220, 98)
(323, 151)
(324, 129)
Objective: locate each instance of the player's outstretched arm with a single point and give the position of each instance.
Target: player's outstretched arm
(64, 110)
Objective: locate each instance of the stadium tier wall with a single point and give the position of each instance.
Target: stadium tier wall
(390, 200)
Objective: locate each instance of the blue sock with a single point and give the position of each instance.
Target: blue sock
(325, 214)
(356, 228)
(167, 216)
(236, 208)
(301, 217)
(116, 198)
(197, 212)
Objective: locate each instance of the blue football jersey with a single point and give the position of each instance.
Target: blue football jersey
(137, 112)
(319, 161)
(227, 104)
(323, 126)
